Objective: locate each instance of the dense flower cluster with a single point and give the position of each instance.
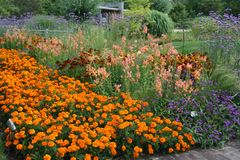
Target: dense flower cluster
(127, 68)
(212, 115)
(59, 117)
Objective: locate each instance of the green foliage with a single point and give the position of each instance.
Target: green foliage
(82, 8)
(120, 28)
(33, 6)
(46, 22)
(203, 6)
(138, 4)
(203, 27)
(2, 156)
(179, 12)
(226, 78)
(159, 23)
(135, 16)
(7, 8)
(164, 6)
(234, 5)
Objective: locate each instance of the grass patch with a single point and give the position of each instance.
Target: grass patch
(188, 46)
(178, 36)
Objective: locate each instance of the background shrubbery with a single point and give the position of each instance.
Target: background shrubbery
(159, 23)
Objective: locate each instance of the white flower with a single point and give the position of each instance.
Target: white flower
(194, 114)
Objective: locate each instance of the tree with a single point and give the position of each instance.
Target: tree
(233, 5)
(203, 6)
(33, 6)
(164, 6)
(179, 12)
(7, 8)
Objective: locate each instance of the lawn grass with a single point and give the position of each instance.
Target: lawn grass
(178, 36)
(188, 46)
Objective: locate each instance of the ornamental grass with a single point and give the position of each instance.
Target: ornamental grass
(58, 117)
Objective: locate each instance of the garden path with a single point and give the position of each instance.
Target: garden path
(231, 151)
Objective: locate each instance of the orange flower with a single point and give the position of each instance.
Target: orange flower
(113, 151)
(168, 121)
(112, 145)
(51, 144)
(192, 142)
(129, 140)
(44, 143)
(30, 146)
(150, 149)
(123, 148)
(170, 150)
(87, 157)
(19, 147)
(137, 149)
(28, 158)
(163, 140)
(135, 154)
(16, 141)
(174, 133)
(47, 157)
(31, 131)
(95, 158)
(180, 137)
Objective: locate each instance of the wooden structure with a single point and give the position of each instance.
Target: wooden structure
(111, 11)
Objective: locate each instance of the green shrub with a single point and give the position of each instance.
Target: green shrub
(82, 8)
(179, 12)
(7, 8)
(164, 6)
(33, 6)
(135, 16)
(203, 27)
(120, 28)
(46, 22)
(159, 23)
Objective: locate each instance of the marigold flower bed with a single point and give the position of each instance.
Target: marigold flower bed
(58, 117)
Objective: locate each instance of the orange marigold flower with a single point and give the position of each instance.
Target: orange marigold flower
(137, 149)
(95, 158)
(31, 131)
(192, 142)
(19, 147)
(51, 144)
(170, 150)
(113, 151)
(150, 149)
(16, 141)
(174, 133)
(129, 140)
(123, 148)
(44, 143)
(112, 145)
(163, 140)
(87, 157)
(47, 157)
(30, 146)
(135, 154)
